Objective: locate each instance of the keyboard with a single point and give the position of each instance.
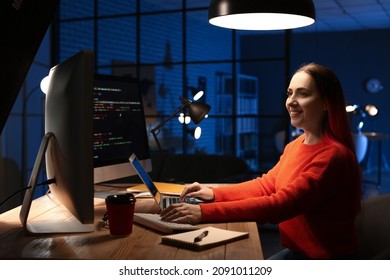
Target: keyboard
(166, 201)
(171, 200)
(154, 221)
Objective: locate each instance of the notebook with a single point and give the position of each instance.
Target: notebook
(162, 201)
(209, 237)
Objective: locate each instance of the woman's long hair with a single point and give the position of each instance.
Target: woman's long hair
(336, 124)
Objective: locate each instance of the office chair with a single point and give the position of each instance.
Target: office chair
(373, 228)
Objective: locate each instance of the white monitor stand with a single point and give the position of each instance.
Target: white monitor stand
(45, 227)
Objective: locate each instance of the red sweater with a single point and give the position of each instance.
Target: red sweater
(313, 192)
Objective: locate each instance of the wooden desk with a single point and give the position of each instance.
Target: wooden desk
(142, 244)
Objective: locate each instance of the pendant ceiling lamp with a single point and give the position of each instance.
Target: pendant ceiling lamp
(261, 14)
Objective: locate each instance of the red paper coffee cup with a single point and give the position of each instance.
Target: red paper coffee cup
(120, 210)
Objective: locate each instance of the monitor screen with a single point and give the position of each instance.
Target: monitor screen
(119, 128)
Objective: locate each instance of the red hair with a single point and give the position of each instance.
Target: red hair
(336, 124)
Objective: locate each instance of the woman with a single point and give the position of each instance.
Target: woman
(313, 192)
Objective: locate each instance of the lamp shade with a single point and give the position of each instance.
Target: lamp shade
(261, 14)
(198, 111)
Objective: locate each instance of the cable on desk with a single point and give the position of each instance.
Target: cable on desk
(47, 182)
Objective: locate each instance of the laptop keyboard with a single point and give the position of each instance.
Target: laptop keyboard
(154, 221)
(170, 200)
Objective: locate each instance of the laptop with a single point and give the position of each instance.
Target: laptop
(162, 201)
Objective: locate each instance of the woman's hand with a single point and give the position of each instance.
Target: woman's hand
(196, 190)
(185, 213)
(182, 213)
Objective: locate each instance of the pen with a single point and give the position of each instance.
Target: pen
(201, 236)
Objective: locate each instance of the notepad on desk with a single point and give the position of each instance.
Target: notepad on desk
(210, 237)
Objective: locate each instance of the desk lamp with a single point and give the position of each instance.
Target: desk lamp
(195, 111)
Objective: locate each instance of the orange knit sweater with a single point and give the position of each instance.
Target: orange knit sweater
(313, 192)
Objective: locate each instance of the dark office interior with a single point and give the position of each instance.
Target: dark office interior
(172, 50)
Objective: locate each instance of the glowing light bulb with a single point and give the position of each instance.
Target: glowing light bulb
(197, 132)
(198, 95)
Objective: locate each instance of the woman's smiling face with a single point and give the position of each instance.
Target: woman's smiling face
(304, 103)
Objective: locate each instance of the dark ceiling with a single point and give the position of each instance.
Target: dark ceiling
(341, 15)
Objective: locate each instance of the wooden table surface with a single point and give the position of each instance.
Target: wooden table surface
(142, 244)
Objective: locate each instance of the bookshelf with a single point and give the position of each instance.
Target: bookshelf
(244, 106)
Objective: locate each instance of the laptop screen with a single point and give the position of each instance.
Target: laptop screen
(145, 178)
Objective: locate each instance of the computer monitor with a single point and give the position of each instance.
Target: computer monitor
(119, 128)
(68, 146)
(24, 24)
(93, 123)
